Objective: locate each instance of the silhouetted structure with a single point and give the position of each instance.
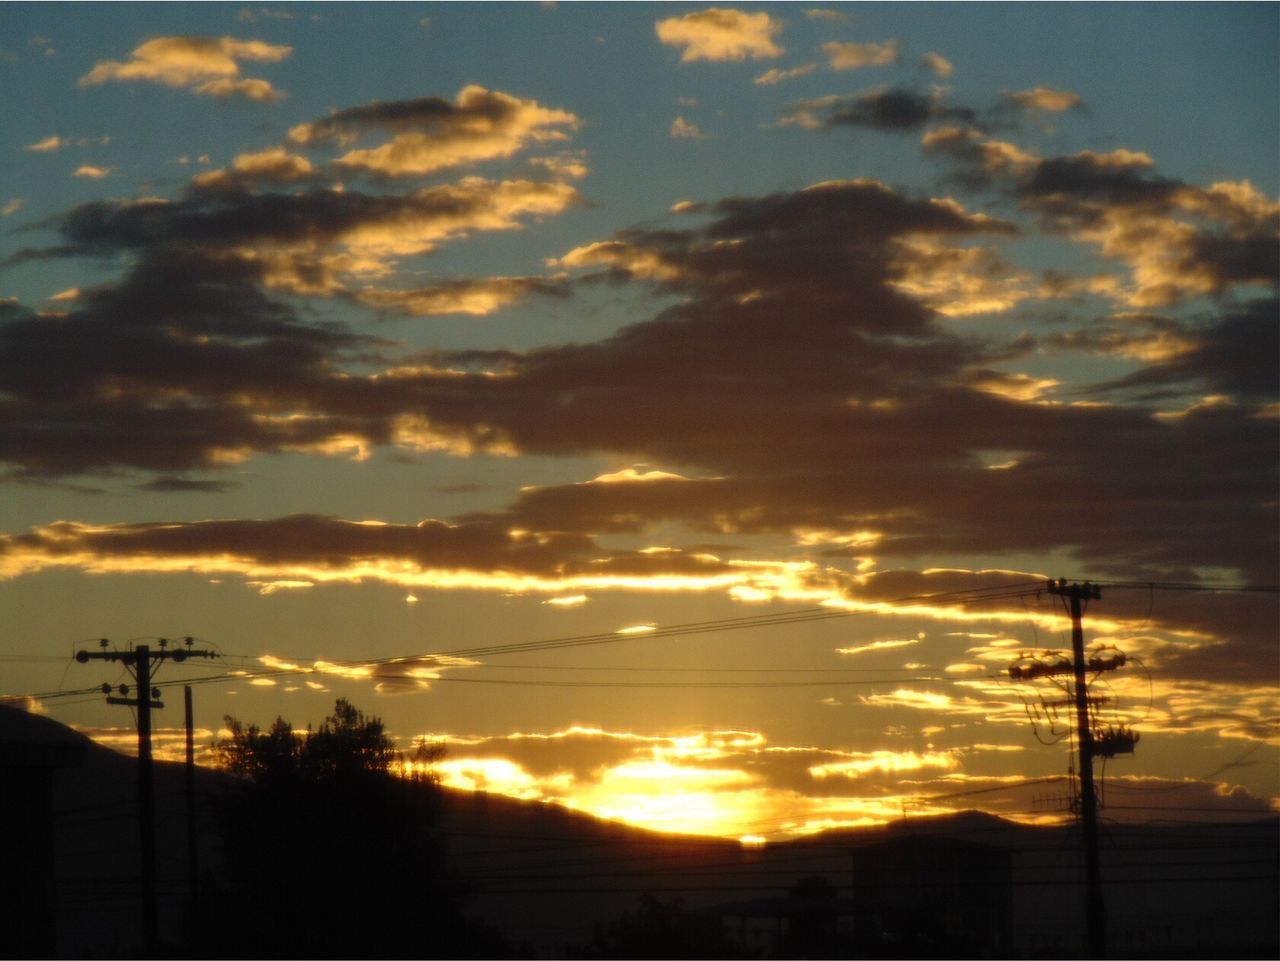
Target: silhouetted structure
(920, 896)
(810, 921)
(661, 929)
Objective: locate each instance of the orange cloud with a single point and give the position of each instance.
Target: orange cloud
(275, 165)
(430, 554)
(721, 34)
(318, 262)
(735, 783)
(682, 129)
(1178, 240)
(775, 75)
(431, 134)
(401, 675)
(994, 156)
(877, 646)
(570, 164)
(48, 144)
(958, 281)
(858, 56)
(204, 65)
(937, 64)
(474, 297)
(1046, 99)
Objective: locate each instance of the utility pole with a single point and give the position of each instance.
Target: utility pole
(193, 863)
(1095, 909)
(141, 662)
(1100, 741)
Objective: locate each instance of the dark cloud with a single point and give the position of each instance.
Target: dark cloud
(890, 109)
(319, 546)
(190, 347)
(1163, 496)
(466, 487)
(412, 221)
(184, 485)
(153, 371)
(801, 391)
(1234, 355)
(29, 254)
(402, 115)
(188, 361)
(430, 133)
(1236, 631)
(194, 360)
(794, 384)
(1068, 186)
(1180, 240)
(1230, 258)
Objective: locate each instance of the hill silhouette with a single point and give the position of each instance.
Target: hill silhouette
(551, 879)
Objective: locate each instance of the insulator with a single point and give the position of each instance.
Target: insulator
(103, 642)
(188, 641)
(82, 657)
(179, 655)
(164, 642)
(155, 693)
(124, 690)
(106, 688)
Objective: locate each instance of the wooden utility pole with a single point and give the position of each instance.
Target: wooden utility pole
(193, 862)
(1095, 908)
(141, 662)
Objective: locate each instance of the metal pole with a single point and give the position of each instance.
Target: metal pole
(146, 802)
(1095, 909)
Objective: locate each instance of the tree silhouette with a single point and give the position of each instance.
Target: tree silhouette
(257, 756)
(328, 853)
(347, 745)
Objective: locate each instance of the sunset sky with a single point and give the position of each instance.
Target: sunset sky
(373, 345)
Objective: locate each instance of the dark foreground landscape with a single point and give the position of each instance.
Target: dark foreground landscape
(408, 869)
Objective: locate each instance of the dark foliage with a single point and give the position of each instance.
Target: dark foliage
(329, 853)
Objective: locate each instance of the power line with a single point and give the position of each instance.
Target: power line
(685, 685)
(1019, 589)
(693, 670)
(556, 891)
(995, 592)
(1189, 586)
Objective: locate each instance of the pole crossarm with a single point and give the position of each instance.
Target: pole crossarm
(130, 657)
(134, 702)
(1086, 591)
